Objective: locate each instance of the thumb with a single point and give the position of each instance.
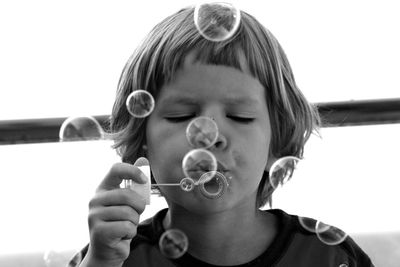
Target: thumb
(122, 171)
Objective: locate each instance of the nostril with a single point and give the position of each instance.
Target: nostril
(217, 144)
(221, 142)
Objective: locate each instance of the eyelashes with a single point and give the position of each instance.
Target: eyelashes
(177, 119)
(239, 119)
(184, 118)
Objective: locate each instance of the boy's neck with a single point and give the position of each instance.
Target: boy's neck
(218, 239)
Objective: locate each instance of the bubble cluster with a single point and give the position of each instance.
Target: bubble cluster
(216, 21)
(80, 129)
(173, 243)
(326, 233)
(282, 170)
(140, 103)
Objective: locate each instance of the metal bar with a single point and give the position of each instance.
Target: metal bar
(361, 112)
(333, 114)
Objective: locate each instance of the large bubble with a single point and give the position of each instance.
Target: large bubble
(216, 21)
(81, 129)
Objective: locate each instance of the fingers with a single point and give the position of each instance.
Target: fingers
(118, 173)
(112, 232)
(118, 197)
(114, 215)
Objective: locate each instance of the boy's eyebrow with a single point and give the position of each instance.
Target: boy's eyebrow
(242, 101)
(179, 100)
(192, 101)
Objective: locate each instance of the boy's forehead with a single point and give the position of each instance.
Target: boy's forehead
(196, 80)
(196, 57)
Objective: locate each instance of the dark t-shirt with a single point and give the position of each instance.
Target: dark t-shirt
(292, 246)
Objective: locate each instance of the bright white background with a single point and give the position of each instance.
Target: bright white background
(64, 58)
(59, 58)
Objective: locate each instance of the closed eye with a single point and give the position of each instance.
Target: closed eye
(180, 118)
(241, 119)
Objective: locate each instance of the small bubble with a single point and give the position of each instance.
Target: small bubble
(173, 243)
(197, 162)
(216, 21)
(187, 184)
(80, 129)
(282, 170)
(329, 234)
(202, 132)
(140, 103)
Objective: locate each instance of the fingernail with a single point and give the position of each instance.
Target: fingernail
(142, 161)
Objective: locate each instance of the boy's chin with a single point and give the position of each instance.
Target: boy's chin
(195, 202)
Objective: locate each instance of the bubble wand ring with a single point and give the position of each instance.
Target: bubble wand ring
(187, 184)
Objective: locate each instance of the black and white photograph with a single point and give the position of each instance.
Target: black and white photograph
(199, 133)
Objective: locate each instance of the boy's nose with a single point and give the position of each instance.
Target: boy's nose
(221, 142)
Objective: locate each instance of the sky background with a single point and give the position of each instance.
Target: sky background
(64, 58)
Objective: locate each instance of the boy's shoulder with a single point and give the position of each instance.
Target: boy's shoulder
(297, 246)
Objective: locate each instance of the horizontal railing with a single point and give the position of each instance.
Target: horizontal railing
(333, 114)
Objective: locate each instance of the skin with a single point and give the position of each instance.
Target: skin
(236, 101)
(114, 214)
(218, 228)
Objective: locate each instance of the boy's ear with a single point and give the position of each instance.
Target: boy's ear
(144, 150)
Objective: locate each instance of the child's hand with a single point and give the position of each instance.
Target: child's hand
(113, 217)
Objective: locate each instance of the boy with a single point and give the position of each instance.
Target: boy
(245, 84)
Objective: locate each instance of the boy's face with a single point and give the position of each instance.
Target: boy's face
(236, 101)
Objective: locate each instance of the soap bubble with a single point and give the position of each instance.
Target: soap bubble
(187, 184)
(329, 234)
(282, 170)
(197, 162)
(140, 103)
(202, 132)
(216, 21)
(213, 184)
(173, 243)
(81, 129)
(308, 223)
